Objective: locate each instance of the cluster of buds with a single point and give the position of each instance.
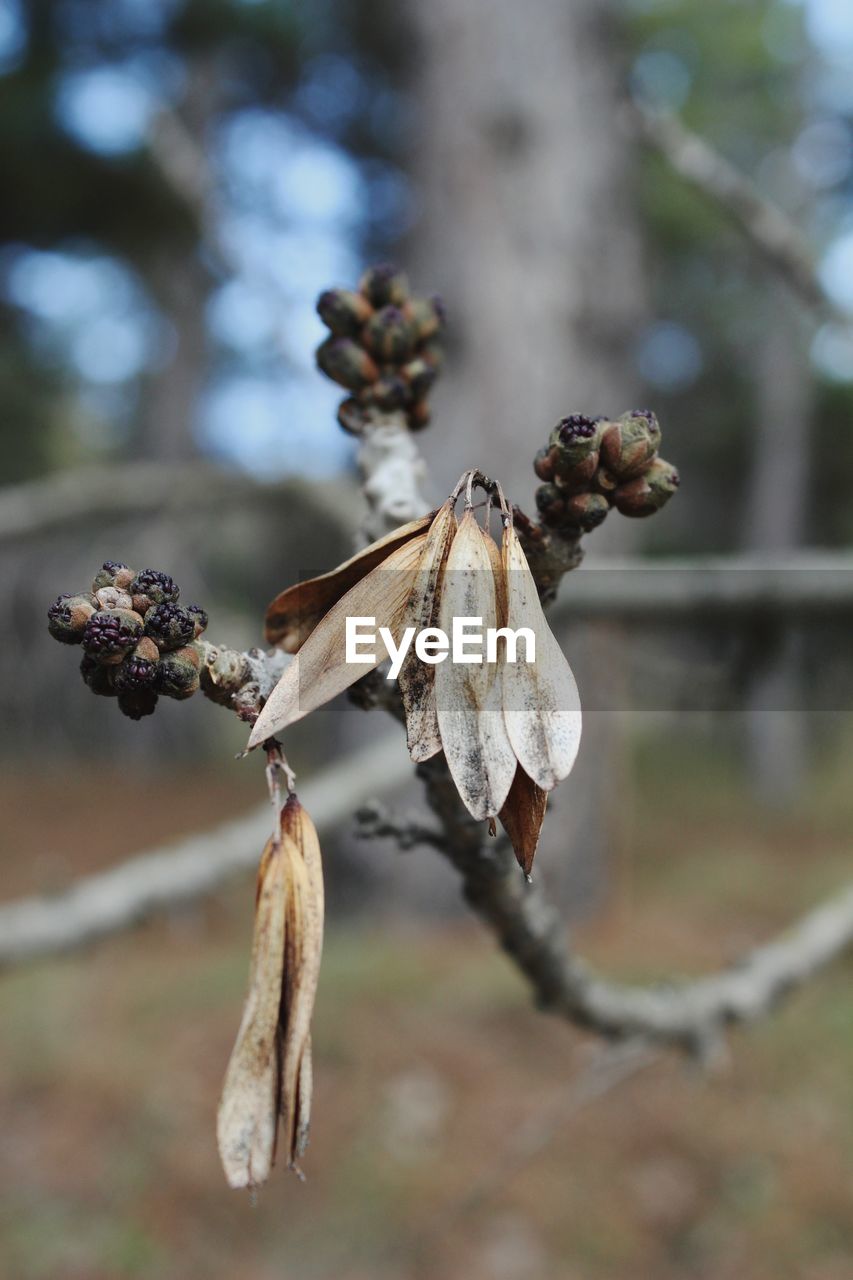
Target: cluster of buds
(137, 641)
(592, 464)
(384, 348)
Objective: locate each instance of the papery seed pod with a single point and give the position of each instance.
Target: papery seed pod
(110, 634)
(199, 617)
(586, 511)
(419, 375)
(390, 393)
(343, 311)
(352, 416)
(152, 586)
(170, 626)
(647, 493)
(426, 317)
(177, 674)
(68, 615)
(113, 598)
(136, 703)
(551, 504)
(575, 438)
(100, 679)
(543, 463)
(388, 336)
(629, 444)
(384, 285)
(419, 415)
(346, 363)
(110, 573)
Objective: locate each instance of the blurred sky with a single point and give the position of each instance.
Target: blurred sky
(291, 210)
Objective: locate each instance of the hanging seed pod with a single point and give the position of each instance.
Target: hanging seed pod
(388, 336)
(100, 679)
(647, 493)
(384, 285)
(177, 674)
(352, 416)
(169, 626)
(343, 311)
(68, 615)
(426, 317)
(586, 511)
(346, 363)
(110, 634)
(629, 444)
(112, 574)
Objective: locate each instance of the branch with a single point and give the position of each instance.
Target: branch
(181, 873)
(767, 228)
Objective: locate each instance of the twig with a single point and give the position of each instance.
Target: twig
(767, 228)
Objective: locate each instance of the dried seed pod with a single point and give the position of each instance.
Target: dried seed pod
(110, 634)
(649, 492)
(419, 375)
(586, 511)
(574, 439)
(384, 285)
(352, 416)
(629, 444)
(112, 574)
(199, 617)
(347, 363)
(113, 598)
(389, 336)
(177, 674)
(68, 615)
(343, 311)
(100, 679)
(137, 703)
(426, 316)
(170, 626)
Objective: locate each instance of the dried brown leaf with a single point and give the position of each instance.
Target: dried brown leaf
(294, 613)
(319, 670)
(541, 704)
(470, 719)
(522, 817)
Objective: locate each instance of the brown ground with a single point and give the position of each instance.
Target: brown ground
(433, 1074)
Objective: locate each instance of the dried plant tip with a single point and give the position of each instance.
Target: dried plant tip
(346, 363)
(294, 614)
(649, 492)
(343, 311)
(522, 817)
(388, 336)
(384, 285)
(68, 615)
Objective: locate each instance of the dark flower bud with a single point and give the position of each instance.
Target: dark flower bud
(419, 375)
(346, 363)
(169, 626)
(629, 444)
(343, 311)
(384, 285)
(551, 504)
(177, 674)
(151, 586)
(586, 511)
(136, 672)
(100, 679)
(352, 416)
(113, 574)
(137, 703)
(543, 463)
(111, 633)
(418, 415)
(68, 615)
(388, 336)
(390, 393)
(647, 493)
(575, 439)
(574, 477)
(199, 617)
(426, 317)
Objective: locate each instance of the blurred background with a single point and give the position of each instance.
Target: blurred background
(180, 180)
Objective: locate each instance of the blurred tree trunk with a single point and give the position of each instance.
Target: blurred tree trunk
(530, 233)
(776, 724)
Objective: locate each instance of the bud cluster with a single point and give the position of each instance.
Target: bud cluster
(384, 347)
(137, 641)
(592, 464)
